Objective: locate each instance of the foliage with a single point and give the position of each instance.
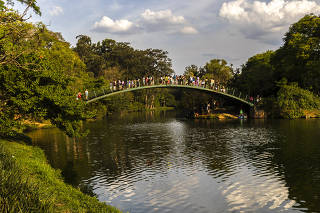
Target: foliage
(165, 99)
(256, 77)
(30, 4)
(192, 71)
(298, 60)
(214, 69)
(219, 70)
(118, 60)
(139, 100)
(195, 101)
(29, 184)
(293, 100)
(37, 75)
(110, 60)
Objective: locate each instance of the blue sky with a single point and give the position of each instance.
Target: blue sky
(192, 31)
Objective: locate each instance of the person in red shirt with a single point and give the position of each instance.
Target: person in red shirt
(79, 95)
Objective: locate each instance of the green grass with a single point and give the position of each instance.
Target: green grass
(29, 184)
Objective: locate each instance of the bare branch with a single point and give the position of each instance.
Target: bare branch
(27, 8)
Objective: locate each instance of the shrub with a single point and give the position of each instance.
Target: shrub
(292, 101)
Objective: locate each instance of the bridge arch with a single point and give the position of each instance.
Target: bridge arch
(228, 93)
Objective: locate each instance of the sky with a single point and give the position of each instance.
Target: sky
(192, 31)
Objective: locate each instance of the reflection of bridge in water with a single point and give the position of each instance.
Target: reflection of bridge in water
(227, 92)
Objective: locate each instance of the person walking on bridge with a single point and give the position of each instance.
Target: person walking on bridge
(111, 86)
(86, 92)
(79, 96)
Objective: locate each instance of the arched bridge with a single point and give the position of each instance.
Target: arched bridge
(231, 93)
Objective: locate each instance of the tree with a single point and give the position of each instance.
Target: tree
(256, 77)
(37, 71)
(119, 59)
(95, 63)
(159, 64)
(298, 60)
(192, 71)
(30, 4)
(218, 70)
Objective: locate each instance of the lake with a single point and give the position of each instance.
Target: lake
(158, 162)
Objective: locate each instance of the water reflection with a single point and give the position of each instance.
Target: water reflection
(154, 162)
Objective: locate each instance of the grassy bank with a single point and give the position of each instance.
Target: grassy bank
(29, 184)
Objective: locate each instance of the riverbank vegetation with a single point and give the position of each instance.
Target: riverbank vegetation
(288, 78)
(292, 102)
(29, 184)
(38, 75)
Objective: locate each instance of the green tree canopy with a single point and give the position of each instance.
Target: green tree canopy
(218, 70)
(256, 77)
(119, 59)
(192, 71)
(298, 60)
(37, 71)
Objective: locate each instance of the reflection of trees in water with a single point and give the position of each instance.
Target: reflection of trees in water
(298, 159)
(69, 174)
(238, 157)
(225, 150)
(69, 155)
(144, 116)
(209, 141)
(289, 151)
(130, 149)
(213, 153)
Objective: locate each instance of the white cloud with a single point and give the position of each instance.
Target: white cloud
(149, 21)
(106, 24)
(261, 20)
(161, 17)
(165, 20)
(55, 11)
(189, 30)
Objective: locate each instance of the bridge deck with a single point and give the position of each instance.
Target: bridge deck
(171, 86)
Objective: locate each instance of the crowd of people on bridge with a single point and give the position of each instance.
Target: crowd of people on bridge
(212, 84)
(166, 80)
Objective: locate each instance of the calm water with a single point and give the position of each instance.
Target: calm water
(155, 162)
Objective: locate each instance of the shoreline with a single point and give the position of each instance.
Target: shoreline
(216, 116)
(30, 183)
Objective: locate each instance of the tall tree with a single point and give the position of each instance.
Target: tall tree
(36, 74)
(191, 70)
(298, 60)
(218, 70)
(119, 59)
(256, 77)
(95, 63)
